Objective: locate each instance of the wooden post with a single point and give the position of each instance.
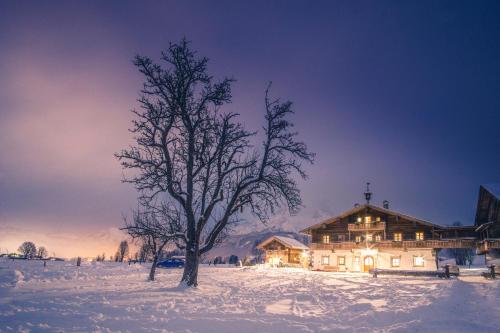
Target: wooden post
(437, 258)
(447, 271)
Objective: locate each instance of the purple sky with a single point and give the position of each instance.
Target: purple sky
(404, 95)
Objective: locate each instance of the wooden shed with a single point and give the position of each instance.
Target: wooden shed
(280, 250)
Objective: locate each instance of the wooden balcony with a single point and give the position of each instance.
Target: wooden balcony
(374, 226)
(485, 245)
(413, 244)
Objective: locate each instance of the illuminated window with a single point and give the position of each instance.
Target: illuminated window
(398, 237)
(418, 261)
(395, 261)
(325, 260)
(369, 237)
(326, 239)
(378, 238)
(368, 219)
(341, 238)
(359, 219)
(419, 235)
(356, 259)
(341, 261)
(378, 218)
(358, 239)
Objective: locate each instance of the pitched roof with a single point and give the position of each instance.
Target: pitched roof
(287, 241)
(361, 207)
(494, 189)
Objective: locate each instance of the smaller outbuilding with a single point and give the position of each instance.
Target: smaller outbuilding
(284, 251)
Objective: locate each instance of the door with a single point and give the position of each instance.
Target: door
(368, 263)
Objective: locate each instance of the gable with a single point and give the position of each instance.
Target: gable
(384, 215)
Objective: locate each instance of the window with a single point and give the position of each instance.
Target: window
(378, 218)
(341, 238)
(419, 235)
(325, 260)
(359, 219)
(395, 261)
(369, 237)
(326, 239)
(358, 239)
(398, 237)
(356, 260)
(368, 219)
(340, 261)
(418, 261)
(378, 238)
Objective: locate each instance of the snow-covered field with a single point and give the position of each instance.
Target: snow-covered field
(110, 297)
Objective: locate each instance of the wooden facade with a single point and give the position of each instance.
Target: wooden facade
(284, 251)
(487, 221)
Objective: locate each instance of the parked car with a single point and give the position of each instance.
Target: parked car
(171, 263)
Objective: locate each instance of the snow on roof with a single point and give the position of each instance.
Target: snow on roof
(493, 189)
(292, 242)
(287, 241)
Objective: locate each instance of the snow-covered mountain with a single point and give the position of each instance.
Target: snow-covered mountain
(245, 237)
(243, 245)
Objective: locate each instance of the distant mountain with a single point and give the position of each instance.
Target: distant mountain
(245, 244)
(247, 235)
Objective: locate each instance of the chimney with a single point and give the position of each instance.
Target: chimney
(385, 204)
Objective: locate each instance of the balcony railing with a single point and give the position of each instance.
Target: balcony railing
(433, 244)
(485, 245)
(374, 226)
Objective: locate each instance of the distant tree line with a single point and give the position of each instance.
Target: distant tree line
(29, 251)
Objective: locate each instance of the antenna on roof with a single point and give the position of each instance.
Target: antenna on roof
(368, 194)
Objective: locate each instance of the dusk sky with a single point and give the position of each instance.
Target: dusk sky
(403, 94)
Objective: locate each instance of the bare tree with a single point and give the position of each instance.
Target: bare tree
(200, 161)
(28, 250)
(144, 252)
(122, 251)
(154, 228)
(42, 252)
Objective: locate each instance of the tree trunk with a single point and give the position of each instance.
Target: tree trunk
(190, 276)
(153, 269)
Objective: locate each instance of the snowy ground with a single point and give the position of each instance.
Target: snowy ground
(109, 297)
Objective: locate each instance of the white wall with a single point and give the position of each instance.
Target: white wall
(382, 259)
